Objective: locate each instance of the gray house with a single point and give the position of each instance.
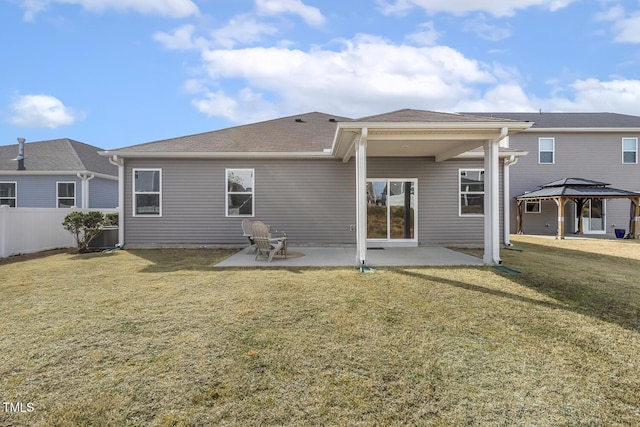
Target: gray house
(600, 147)
(404, 178)
(58, 173)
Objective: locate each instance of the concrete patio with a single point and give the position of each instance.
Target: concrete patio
(346, 257)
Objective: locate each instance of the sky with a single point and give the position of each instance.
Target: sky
(114, 73)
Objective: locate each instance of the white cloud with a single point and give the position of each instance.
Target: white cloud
(461, 7)
(426, 36)
(247, 106)
(484, 30)
(168, 8)
(241, 29)
(368, 75)
(180, 39)
(311, 15)
(619, 96)
(628, 30)
(41, 111)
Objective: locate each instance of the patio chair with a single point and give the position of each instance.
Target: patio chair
(246, 232)
(266, 246)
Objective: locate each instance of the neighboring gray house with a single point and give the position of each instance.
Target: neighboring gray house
(58, 173)
(404, 178)
(593, 146)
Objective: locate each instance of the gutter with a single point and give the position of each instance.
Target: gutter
(219, 155)
(115, 160)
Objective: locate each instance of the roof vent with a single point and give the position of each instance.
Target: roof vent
(332, 120)
(299, 120)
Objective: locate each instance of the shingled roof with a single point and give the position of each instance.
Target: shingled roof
(60, 155)
(544, 120)
(311, 132)
(409, 115)
(577, 188)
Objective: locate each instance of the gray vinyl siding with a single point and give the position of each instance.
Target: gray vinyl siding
(593, 155)
(39, 191)
(439, 221)
(312, 200)
(103, 193)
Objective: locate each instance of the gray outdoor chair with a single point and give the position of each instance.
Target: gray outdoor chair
(248, 233)
(266, 246)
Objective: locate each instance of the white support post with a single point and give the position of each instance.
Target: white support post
(361, 199)
(491, 203)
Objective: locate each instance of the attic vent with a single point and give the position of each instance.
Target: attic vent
(332, 120)
(300, 121)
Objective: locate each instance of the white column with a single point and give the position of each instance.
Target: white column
(491, 203)
(361, 199)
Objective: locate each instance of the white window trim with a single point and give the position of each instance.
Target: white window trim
(15, 191)
(226, 193)
(460, 214)
(553, 151)
(538, 202)
(630, 151)
(75, 194)
(134, 193)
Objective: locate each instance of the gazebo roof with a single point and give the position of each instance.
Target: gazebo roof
(576, 188)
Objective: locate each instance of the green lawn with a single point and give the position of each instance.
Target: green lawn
(161, 338)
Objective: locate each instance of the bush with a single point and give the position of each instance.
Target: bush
(84, 226)
(111, 219)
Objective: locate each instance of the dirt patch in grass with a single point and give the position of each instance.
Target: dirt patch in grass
(162, 338)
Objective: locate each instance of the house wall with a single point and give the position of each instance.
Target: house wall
(103, 193)
(312, 200)
(39, 191)
(594, 155)
(438, 197)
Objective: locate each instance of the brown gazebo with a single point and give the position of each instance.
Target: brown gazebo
(578, 190)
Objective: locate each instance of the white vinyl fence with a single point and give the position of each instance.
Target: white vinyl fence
(29, 230)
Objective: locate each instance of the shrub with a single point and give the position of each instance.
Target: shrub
(111, 219)
(84, 226)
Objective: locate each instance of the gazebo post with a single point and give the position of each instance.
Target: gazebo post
(636, 217)
(518, 216)
(560, 201)
(579, 207)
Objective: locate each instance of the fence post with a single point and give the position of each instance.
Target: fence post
(4, 209)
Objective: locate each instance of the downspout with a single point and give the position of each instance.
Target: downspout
(512, 160)
(85, 188)
(115, 160)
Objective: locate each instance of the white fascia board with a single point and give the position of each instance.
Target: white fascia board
(72, 173)
(219, 155)
(512, 126)
(599, 130)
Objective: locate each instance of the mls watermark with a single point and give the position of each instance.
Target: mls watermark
(18, 407)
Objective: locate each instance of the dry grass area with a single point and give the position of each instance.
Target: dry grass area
(160, 338)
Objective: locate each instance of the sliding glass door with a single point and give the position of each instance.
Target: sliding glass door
(391, 210)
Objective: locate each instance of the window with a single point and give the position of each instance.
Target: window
(239, 192)
(8, 194)
(630, 150)
(66, 194)
(147, 192)
(471, 191)
(546, 149)
(532, 206)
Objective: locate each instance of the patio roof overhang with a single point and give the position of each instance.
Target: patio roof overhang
(441, 140)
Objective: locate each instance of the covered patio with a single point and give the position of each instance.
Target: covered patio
(579, 191)
(411, 133)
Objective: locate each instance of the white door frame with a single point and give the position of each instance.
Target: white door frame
(389, 242)
(586, 221)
